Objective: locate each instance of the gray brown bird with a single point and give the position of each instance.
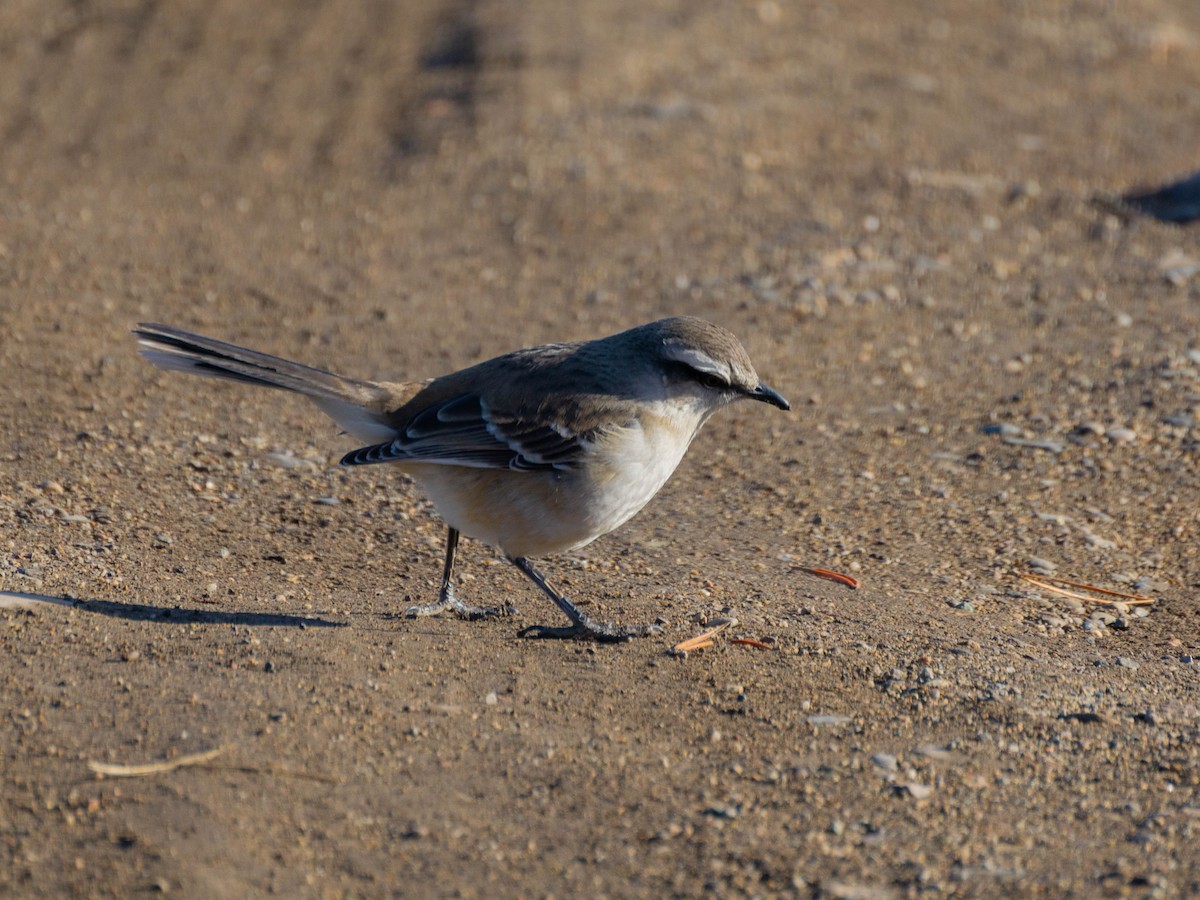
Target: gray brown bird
(536, 452)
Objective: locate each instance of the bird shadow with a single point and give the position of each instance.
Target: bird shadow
(172, 615)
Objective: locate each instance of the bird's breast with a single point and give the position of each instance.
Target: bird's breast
(540, 513)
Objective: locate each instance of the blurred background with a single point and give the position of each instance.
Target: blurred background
(489, 173)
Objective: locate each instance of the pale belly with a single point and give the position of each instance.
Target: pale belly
(532, 514)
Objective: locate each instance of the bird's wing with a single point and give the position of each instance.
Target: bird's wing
(464, 431)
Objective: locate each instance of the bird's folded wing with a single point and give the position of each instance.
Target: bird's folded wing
(463, 431)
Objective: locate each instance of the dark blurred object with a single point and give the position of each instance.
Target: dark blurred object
(1178, 202)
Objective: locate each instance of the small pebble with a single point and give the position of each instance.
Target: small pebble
(1043, 565)
(885, 761)
(723, 812)
(491, 699)
(1126, 662)
(1121, 435)
(914, 790)
(1100, 543)
(827, 720)
(1036, 444)
(1004, 429)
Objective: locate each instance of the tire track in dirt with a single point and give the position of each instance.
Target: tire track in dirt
(145, 89)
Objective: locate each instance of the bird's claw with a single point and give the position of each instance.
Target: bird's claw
(453, 606)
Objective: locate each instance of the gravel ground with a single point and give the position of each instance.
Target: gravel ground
(895, 205)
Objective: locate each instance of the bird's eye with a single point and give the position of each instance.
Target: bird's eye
(712, 382)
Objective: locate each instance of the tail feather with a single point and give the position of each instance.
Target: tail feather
(360, 407)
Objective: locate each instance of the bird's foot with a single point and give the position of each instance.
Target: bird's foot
(588, 629)
(448, 604)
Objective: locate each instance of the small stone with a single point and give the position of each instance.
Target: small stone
(1043, 565)
(1121, 435)
(1126, 662)
(491, 699)
(1036, 444)
(934, 751)
(1004, 429)
(914, 790)
(1100, 543)
(730, 811)
(885, 761)
(818, 721)
(327, 501)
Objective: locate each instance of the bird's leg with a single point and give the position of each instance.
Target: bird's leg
(447, 601)
(582, 626)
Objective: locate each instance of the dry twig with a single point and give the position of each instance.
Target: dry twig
(830, 575)
(750, 642)
(1044, 582)
(117, 770)
(702, 640)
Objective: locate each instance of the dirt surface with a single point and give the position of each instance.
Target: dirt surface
(891, 203)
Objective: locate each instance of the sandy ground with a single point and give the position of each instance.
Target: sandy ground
(891, 203)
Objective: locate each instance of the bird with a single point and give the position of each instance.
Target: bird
(536, 452)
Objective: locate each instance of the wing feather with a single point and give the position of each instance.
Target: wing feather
(464, 431)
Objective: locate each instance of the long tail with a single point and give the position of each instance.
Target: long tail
(360, 407)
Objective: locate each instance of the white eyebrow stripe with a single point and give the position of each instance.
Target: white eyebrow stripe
(698, 360)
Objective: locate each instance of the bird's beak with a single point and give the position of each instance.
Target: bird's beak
(766, 395)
